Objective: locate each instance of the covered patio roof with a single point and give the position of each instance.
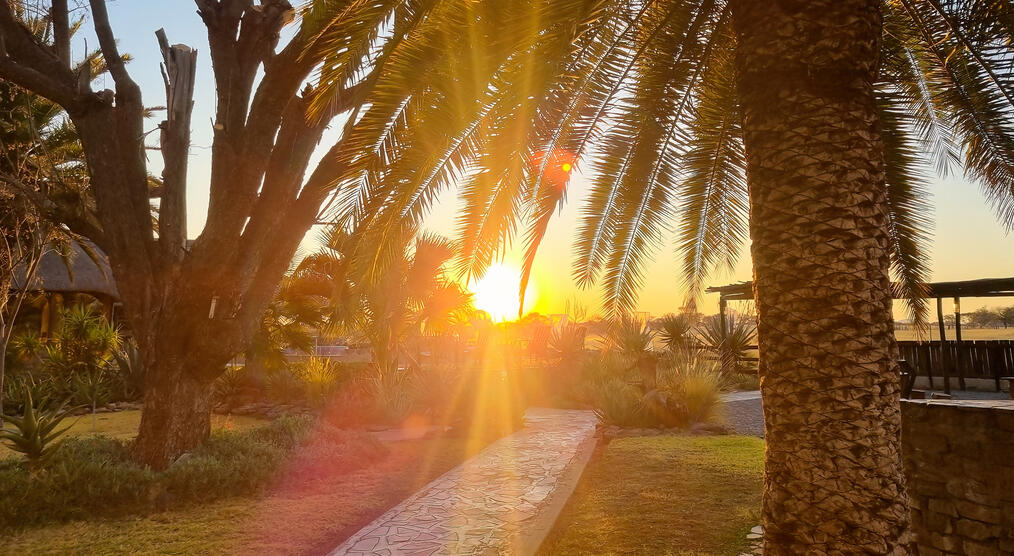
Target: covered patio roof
(983, 287)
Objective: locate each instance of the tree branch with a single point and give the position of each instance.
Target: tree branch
(126, 88)
(178, 72)
(77, 219)
(61, 31)
(32, 65)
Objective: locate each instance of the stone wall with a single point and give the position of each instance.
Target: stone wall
(959, 458)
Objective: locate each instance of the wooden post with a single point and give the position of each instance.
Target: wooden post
(957, 319)
(178, 71)
(721, 315)
(943, 346)
(958, 350)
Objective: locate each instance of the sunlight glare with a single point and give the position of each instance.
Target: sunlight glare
(497, 292)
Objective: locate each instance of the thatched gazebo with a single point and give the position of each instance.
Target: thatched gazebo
(59, 282)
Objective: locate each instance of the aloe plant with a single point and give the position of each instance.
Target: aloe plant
(35, 434)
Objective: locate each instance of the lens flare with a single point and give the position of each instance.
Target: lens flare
(566, 167)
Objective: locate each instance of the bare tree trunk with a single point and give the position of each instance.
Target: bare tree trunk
(834, 479)
(177, 413)
(3, 376)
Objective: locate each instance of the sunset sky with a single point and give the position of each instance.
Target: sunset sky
(968, 242)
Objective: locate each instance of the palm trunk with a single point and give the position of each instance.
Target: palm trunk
(834, 480)
(176, 416)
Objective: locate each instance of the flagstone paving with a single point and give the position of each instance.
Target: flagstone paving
(496, 502)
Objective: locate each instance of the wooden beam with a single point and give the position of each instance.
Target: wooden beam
(943, 346)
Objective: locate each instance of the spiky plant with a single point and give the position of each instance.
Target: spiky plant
(732, 343)
(36, 432)
(567, 342)
(628, 336)
(675, 331)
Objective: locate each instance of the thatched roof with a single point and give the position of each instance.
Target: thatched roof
(84, 276)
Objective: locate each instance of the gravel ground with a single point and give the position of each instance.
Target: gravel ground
(743, 409)
(743, 413)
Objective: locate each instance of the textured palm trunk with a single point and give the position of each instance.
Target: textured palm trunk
(833, 473)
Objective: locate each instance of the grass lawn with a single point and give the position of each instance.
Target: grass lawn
(287, 521)
(966, 333)
(664, 495)
(123, 424)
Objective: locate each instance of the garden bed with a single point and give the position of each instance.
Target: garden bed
(122, 424)
(291, 517)
(664, 495)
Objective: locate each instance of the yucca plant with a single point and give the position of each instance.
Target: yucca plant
(566, 342)
(675, 331)
(628, 336)
(130, 370)
(732, 345)
(36, 433)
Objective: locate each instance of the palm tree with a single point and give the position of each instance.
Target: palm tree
(287, 323)
(802, 125)
(413, 298)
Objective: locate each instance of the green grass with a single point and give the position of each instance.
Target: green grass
(664, 495)
(289, 520)
(123, 425)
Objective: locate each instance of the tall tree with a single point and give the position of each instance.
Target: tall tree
(803, 125)
(191, 307)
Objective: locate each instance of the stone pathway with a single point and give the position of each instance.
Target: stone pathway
(502, 501)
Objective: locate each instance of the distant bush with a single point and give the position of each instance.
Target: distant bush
(94, 477)
(686, 389)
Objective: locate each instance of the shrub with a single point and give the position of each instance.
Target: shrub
(227, 386)
(694, 383)
(628, 336)
(94, 477)
(686, 390)
(619, 403)
(744, 381)
(284, 386)
(323, 379)
(392, 393)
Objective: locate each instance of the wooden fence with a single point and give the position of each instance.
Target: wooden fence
(982, 359)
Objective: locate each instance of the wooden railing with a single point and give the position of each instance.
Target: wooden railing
(979, 359)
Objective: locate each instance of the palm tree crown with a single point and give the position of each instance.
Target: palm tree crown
(642, 93)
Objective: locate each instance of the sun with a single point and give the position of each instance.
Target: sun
(497, 292)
